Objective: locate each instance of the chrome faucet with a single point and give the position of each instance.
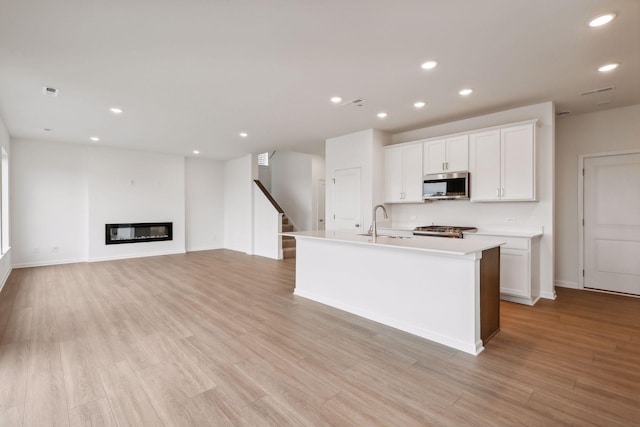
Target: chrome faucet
(374, 226)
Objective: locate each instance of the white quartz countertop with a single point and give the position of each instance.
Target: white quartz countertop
(508, 233)
(417, 243)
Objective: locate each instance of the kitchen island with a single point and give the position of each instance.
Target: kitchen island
(444, 290)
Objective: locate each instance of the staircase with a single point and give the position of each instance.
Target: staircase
(288, 243)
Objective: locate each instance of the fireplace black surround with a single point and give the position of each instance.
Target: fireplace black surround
(138, 232)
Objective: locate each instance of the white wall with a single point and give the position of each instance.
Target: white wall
(451, 212)
(133, 186)
(600, 132)
(6, 258)
(291, 187)
(264, 175)
(49, 203)
(238, 203)
(266, 226)
(64, 194)
(357, 150)
(204, 182)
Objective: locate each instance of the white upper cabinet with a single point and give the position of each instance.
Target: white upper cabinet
(446, 155)
(484, 165)
(518, 160)
(502, 164)
(403, 173)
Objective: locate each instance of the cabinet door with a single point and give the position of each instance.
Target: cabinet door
(457, 154)
(393, 172)
(517, 171)
(413, 173)
(484, 165)
(434, 156)
(514, 273)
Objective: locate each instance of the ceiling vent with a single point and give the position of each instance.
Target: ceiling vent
(50, 91)
(604, 89)
(358, 102)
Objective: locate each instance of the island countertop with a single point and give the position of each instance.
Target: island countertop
(435, 245)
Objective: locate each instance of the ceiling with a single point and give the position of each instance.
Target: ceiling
(192, 74)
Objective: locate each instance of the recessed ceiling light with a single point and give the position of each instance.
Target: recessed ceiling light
(94, 139)
(608, 67)
(244, 134)
(116, 110)
(601, 20)
(419, 104)
(382, 115)
(336, 99)
(196, 151)
(466, 92)
(429, 65)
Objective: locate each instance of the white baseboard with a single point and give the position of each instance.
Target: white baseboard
(548, 295)
(567, 284)
(50, 262)
(471, 348)
(115, 258)
(4, 279)
(199, 249)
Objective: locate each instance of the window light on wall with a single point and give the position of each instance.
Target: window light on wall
(263, 159)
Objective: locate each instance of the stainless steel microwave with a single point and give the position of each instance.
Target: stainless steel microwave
(443, 186)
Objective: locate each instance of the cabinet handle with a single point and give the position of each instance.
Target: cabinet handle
(442, 165)
(502, 192)
(498, 192)
(447, 165)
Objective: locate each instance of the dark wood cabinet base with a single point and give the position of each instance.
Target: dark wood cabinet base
(489, 294)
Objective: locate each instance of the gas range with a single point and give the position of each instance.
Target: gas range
(443, 231)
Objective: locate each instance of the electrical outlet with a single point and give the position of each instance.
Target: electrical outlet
(511, 220)
(55, 248)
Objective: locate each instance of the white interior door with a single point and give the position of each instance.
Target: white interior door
(346, 200)
(321, 204)
(612, 223)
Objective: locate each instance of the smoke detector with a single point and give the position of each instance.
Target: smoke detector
(50, 91)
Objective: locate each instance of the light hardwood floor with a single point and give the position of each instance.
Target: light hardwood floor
(217, 338)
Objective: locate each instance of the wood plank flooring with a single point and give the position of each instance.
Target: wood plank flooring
(217, 338)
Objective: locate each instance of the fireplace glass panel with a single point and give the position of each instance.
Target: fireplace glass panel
(139, 232)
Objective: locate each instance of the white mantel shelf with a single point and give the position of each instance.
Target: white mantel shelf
(432, 287)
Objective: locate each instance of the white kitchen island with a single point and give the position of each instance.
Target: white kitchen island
(444, 290)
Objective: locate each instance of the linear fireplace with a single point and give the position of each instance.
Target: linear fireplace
(138, 232)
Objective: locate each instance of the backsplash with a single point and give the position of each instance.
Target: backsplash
(464, 213)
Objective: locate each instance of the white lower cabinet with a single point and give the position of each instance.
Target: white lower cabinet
(514, 272)
(519, 267)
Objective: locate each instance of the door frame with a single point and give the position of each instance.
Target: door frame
(581, 159)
